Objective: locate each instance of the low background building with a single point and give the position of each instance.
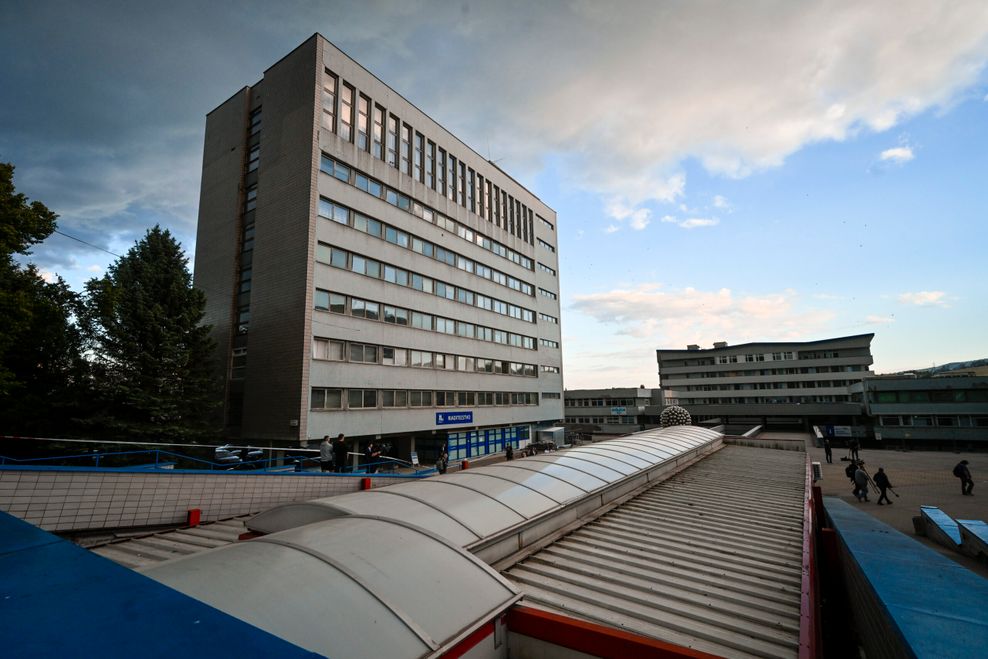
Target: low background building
(615, 411)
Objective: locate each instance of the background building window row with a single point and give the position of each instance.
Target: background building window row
(365, 353)
(342, 304)
(544, 268)
(549, 343)
(326, 398)
(357, 263)
(371, 226)
(544, 245)
(431, 165)
(549, 294)
(550, 369)
(372, 186)
(549, 319)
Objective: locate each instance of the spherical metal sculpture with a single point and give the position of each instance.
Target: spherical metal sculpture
(675, 415)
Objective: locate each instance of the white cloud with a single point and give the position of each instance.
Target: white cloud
(873, 319)
(721, 202)
(689, 315)
(690, 223)
(899, 154)
(695, 222)
(620, 211)
(48, 275)
(924, 298)
(629, 96)
(612, 228)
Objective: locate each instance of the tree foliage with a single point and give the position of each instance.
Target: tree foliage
(40, 347)
(151, 355)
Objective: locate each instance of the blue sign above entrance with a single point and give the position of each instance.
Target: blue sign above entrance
(452, 418)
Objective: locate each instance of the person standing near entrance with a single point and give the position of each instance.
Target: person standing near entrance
(828, 451)
(326, 454)
(963, 473)
(853, 446)
(339, 453)
(882, 483)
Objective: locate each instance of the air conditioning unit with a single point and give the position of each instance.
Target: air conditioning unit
(817, 471)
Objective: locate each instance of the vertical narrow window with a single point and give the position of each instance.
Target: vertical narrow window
(451, 177)
(377, 134)
(430, 165)
(523, 216)
(393, 126)
(441, 172)
(255, 121)
(504, 210)
(497, 205)
(346, 112)
(329, 102)
(253, 157)
(531, 227)
(363, 121)
(406, 149)
(417, 157)
(511, 215)
(471, 184)
(487, 200)
(461, 187)
(480, 196)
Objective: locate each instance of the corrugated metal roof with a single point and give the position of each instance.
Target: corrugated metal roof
(709, 559)
(470, 506)
(354, 586)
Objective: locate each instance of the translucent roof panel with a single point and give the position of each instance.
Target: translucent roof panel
(620, 463)
(356, 587)
(583, 465)
(519, 498)
(558, 490)
(381, 502)
(580, 479)
(478, 512)
(637, 454)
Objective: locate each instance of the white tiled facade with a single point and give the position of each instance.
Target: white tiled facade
(85, 500)
(350, 287)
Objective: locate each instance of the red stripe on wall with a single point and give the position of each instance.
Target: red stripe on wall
(470, 641)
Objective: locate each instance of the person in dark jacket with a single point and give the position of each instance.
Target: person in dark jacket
(882, 483)
(853, 446)
(963, 473)
(443, 461)
(827, 450)
(339, 453)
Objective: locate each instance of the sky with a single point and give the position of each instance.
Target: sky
(722, 171)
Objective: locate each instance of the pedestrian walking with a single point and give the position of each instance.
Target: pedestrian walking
(962, 471)
(509, 453)
(326, 454)
(882, 483)
(828, 451)
(861, 483)
(443, 461)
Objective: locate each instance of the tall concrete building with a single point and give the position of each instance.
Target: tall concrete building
(366, 272)
(796, 382)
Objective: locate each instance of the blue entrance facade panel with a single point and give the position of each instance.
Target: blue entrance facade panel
(477, 443)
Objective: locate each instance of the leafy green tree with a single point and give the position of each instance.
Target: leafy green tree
(151, 354)
(41, 364)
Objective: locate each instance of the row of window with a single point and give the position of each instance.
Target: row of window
(605, 402)
(387, 138)
(365, 353)
(803, 370)
(543, 244)
(755, 386)
(339, 303)
(549, 319)
(362, 265)
(544, 268)
(550, 369)
(352, 399)
(349, 217)
(756, 357)
(956, 421)
(549, 343)
(840, 398)
(372, 186)
(602, 420)
(549, 294)
(934, 396)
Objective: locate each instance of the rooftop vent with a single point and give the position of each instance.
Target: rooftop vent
(692, 346)
(720, 344)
